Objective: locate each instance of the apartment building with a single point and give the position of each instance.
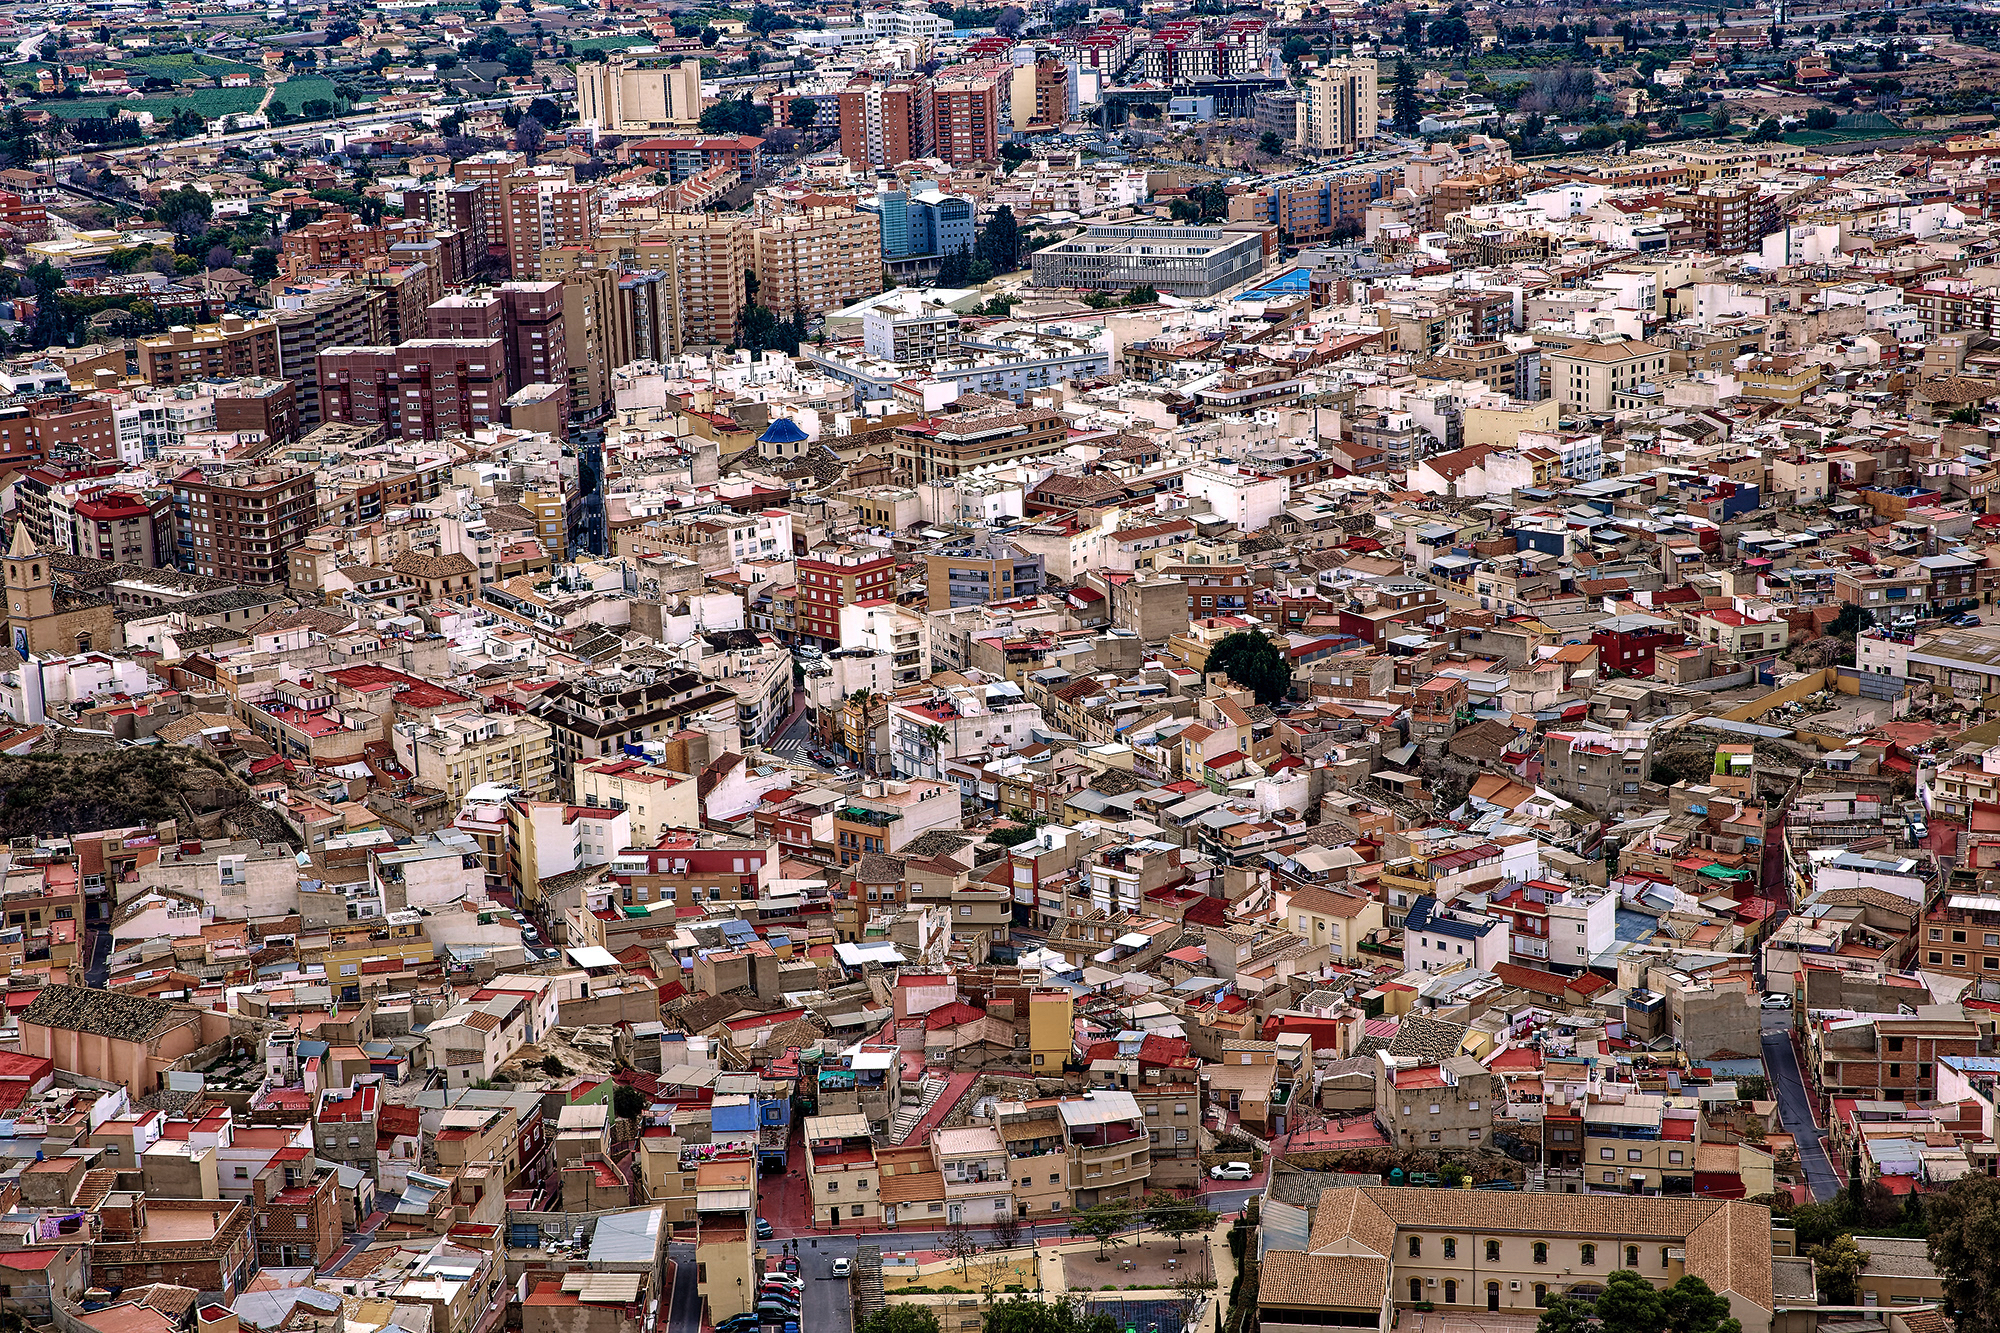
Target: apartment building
(656, 798)
(832, 577)
(1338, 107)
(998, 572)
(982, 433)
(967, 104)
(710, 253)
(311, 321)
(239, 523)
(821, 257)
(423, 389)
(1109, 1149)
(885, 120)
(231, 348)
(1884, 1059)
(456, 754)
(544, 215)
(1589, 376)
(527, 318)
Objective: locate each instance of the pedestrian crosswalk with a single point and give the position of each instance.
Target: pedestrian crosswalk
(792, 749)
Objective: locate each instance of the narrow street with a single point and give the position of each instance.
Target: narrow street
(1795, 1109)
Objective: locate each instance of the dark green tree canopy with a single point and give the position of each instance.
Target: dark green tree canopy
(1965, 1247)
(1254, 662)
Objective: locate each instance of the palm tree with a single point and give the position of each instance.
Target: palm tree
(934, 736)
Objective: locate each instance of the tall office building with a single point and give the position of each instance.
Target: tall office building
(629, 94)
(494, 174)
(885, 121)
(1339, 107)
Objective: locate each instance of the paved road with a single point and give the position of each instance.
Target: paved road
(1795, 1110)
(97, 970)
(684, 1306)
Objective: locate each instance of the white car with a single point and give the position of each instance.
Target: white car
(841, 1267)
(1777, 1000)
(1231, 1171)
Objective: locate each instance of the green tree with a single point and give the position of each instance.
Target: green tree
(900, 1319)
(802, 114)
(1103, 1224)
(1025, 1314)
(1965, 1248)
(1692, 1306)
(1822, 118)
(1630, 1304)
(1450, 32)
(1295, 49)
(1179, 1216)
(1409, 108)
(1564, 1315)
(1255, 663)
(1718, 118)
(764, 20)
(1838, 1266)
(1143, 294)
(999, 242)
(736, 116)
(1270, 144)
(628, 1103)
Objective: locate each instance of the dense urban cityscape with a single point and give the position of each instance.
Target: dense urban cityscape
(901, 668)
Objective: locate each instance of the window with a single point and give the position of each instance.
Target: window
(1665, 1259)
(1631, 1256)
(1607, 1154)
(1674, 1157)
(1610, 1177)
(1436, 1137)
(1541, 1295)
(1634, 1155)
(1492, 1251)
(1416, 1247)
(1589, 1255)
(299, 1220)
(1450, 1248)
(1541, 1253)
(1450, 1292)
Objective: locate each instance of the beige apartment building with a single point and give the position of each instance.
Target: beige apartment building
(1338, 111)
(456, 754)
(709, 255)
(655, 797)
(1589, 376)
(1110, 1155)
(823, 257)
(1374, 1250)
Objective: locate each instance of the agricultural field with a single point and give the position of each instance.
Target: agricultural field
(295, 93)
(611, 43)
(183, 66)
(209, 102)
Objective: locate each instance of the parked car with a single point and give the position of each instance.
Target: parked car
(842, 1267)
(1777, 1000)
(1231, 1171)
(785, 1278)
(764, 1231)
(738, 1323)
